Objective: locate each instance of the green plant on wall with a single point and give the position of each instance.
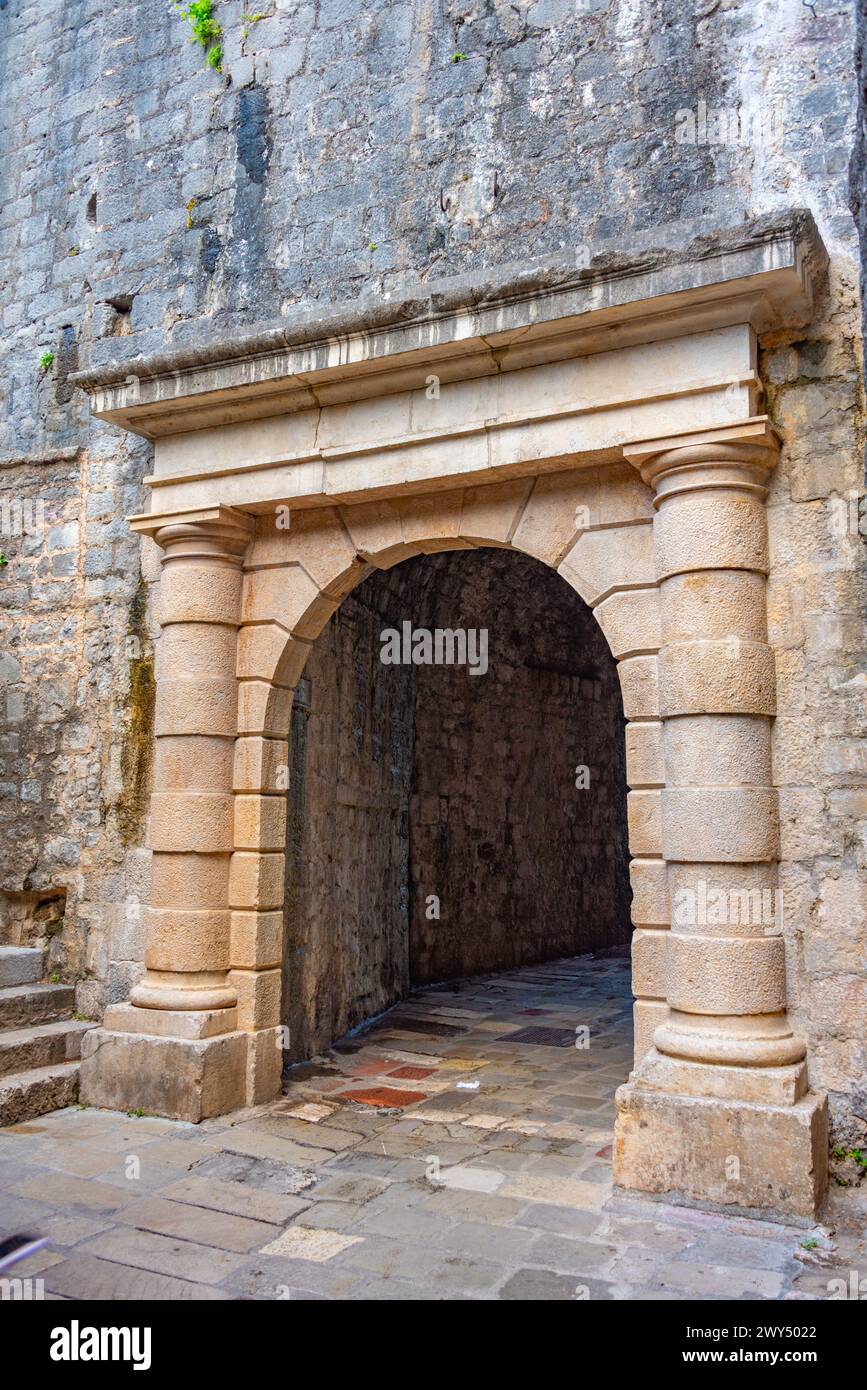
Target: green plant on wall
(858, 1156)
(207, 31)
(249, 20)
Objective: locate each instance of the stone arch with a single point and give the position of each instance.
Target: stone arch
(592, 526)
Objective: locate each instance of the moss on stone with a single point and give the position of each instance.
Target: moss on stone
(136, 755)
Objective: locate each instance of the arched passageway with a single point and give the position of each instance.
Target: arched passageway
(605, 425)
(447, 819)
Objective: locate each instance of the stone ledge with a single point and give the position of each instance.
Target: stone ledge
(513, 316)
(188, 1025)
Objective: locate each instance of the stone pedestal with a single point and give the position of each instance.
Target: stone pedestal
(176, 1049)
(718, 1108)
(180, 1077)
(758, 1157)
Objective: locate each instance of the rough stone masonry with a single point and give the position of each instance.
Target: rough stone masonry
(351, 149)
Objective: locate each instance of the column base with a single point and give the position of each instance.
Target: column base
(181, 1078)
(170, 1023)
(714, 1081)
(733, 1153)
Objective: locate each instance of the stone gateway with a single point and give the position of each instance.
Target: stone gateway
(432, 544)
(551, 406)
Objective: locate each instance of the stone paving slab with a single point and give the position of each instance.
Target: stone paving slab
(222, 1229)
(85, 1276)
(489, 1178)
(160, 1254)
(236, 1199)
(73, 1193)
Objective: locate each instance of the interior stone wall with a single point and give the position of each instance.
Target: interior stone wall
(435, 825)
(346, 908)
(527, 865)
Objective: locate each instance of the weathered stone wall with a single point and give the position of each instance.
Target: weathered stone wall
(817, 615)
(76, 705)
(348, 148)
(415, 781)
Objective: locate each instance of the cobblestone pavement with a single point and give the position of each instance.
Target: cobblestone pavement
(458, 1148)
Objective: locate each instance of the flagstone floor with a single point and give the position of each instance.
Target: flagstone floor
(458, 1148)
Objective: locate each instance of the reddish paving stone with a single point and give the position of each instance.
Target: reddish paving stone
(413, 1073)
(535, 1012)
(384, 1096)
(607, 1152)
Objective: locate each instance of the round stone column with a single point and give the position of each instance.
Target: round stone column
(191, 811)
(720, 834)
(718, 1108)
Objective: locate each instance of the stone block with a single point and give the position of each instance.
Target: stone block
(650, 963)
(711, 530)
(713, 605)
(256, 940)
(193, 762)
(287, 596)
(647, 1015)
(260, 822)
(490, 513)
(266, 652)
(264, 1065)
(723, 752)
(728, 677)
(191, 593)
(189, 880)
(263, 709)
(644, 817)
(196, 649)
(261, 764)
(256, 880)
(560, 507)
(639, 685)
(198, 822)
(181, 1078)
(726, 975)
(645, 766)
(689, 1146)
(631, 622)
(170, 1023)
(719, 824)
(600, 562)
(650, 903)
(186, 939)
(199, 705)
(258, 998)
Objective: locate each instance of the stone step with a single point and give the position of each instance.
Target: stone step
(20, 965)
(22, 1005)
(41, 1045)
(25, 1094)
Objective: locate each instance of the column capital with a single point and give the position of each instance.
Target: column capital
(738, 456)
(215, 532)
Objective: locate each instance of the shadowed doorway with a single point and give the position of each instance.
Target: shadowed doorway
(446, 821)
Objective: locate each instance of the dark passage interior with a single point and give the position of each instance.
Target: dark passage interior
(435, 826)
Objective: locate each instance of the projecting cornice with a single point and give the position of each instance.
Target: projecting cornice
(763, 274)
